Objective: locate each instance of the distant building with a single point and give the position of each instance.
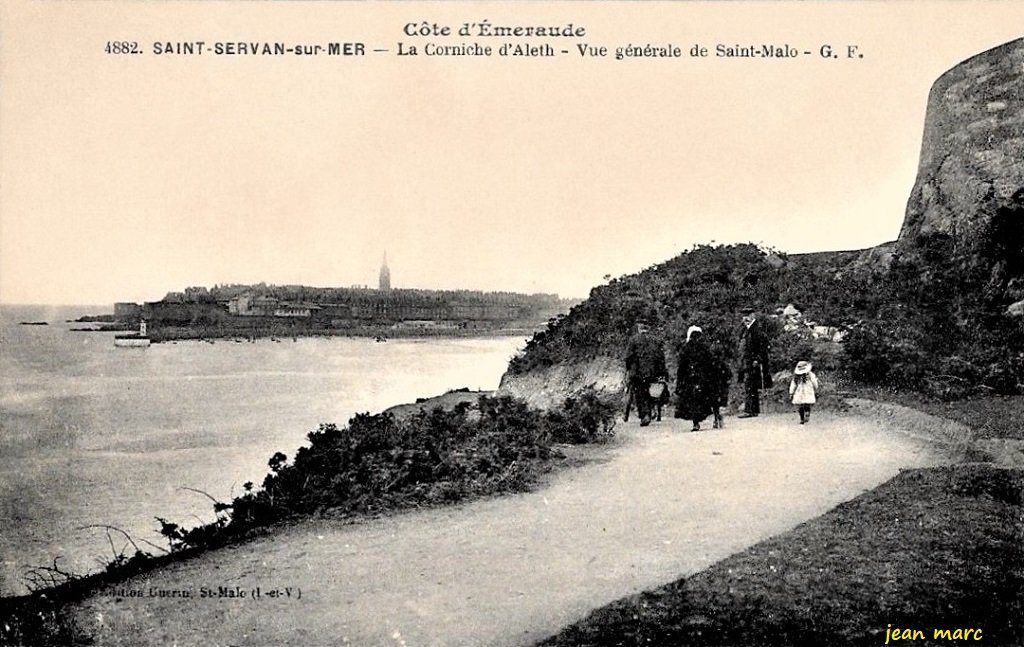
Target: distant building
(294, 309)
(226, 310)
(384, 282)
(247, 305)
(425, 324)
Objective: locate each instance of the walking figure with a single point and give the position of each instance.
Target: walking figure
(803, 388)
(754, 373)
(697, 381)
(724, 378)
(645, 365)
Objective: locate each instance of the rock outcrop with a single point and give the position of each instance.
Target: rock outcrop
(972, 154)
(549, 387)
(873, 261)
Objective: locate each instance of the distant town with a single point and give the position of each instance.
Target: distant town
(250, 311)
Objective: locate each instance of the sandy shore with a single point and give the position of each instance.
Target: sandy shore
(658, 504)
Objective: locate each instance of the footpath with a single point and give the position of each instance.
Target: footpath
(658, 504)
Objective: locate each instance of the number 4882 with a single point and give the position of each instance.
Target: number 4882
(122, 47)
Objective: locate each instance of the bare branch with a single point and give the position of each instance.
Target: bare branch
(160, 548)
(42, 577)
(112, 549)
(197, 491)
(109, 528)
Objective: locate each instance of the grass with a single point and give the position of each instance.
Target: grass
(930, 549)
(989, 416)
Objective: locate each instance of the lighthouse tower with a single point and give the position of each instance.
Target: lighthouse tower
(384, 282)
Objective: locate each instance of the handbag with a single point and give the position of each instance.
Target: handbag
(657, 390)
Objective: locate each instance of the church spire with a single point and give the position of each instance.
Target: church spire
(384, 282)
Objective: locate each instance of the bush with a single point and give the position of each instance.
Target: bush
(1005, 377)
(867, 351)
(587, 418)
(38, 621)
(381, 463)
(874, 354)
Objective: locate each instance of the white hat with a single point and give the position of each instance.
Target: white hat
(693, 329)
(802, 368)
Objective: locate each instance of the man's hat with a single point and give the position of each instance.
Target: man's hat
(747, 310)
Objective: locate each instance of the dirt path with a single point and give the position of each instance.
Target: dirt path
(662, 503)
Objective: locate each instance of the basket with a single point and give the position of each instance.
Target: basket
(657, 390)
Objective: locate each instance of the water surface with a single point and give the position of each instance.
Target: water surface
(93, 434)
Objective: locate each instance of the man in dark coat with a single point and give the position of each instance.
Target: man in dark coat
(645, 364)
(754, 373)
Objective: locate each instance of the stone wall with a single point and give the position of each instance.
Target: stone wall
(972, 154)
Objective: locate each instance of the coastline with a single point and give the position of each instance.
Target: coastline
(383, 333)
(130, 428)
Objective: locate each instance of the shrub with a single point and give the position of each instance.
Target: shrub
(379, 462)
(586, 418)
(867, 351)
(38, 621)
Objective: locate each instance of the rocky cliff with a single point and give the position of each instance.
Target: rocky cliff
(549, 387)
(972, 154)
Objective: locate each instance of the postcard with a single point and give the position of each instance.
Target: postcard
(510, 323)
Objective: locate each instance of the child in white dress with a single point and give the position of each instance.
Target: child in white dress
(803, 388)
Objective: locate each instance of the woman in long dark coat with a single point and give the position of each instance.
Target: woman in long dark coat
(697, 387)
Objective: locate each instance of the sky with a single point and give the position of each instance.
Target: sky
(125, 177)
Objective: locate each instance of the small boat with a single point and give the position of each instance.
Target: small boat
(134, 340)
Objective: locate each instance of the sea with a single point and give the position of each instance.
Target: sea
(94, 435)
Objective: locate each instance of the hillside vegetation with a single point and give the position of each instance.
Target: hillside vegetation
(921, 324)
